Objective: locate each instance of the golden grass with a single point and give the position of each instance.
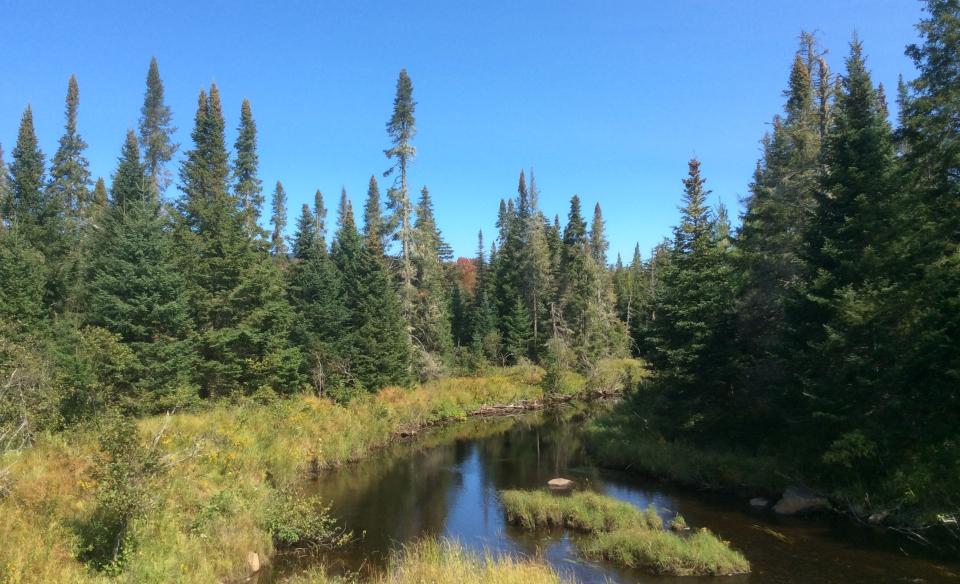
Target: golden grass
(446, 562)
(224, 464)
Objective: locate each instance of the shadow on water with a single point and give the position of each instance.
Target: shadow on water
(446, 482)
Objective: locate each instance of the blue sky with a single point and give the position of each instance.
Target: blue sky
(605, 99)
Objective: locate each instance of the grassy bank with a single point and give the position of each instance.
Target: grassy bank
(444, 562)
(211, 496)
(623, 534)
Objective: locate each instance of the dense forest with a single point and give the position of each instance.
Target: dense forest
(825, 324)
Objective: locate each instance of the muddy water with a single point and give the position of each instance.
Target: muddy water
(446, 484)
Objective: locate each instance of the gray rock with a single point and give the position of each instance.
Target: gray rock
(559, 483)
(800, 500)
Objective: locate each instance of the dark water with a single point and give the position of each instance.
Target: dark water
(446, 484)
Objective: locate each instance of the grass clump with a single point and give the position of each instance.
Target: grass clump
(447, 562)
(580, 511)
(662, 552)
(625, 535)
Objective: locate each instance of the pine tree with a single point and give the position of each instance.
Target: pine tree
(401, 128)
(279, 221)
(156, 130)
(137, 290)
(246, 185)
(69, 173)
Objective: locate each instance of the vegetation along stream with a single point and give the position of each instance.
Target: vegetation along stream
(446, 484)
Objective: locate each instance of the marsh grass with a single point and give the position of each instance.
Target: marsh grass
(662, 552)
(624, 534)
(223, 466)
(581, 511)
(447, 562)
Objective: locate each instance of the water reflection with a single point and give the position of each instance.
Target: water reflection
(446, 484)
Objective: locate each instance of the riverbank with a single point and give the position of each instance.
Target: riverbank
(220, 471)
(627, 439)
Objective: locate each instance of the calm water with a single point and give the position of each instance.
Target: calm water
(446, 484)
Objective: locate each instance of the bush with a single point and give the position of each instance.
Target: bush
(296, 521)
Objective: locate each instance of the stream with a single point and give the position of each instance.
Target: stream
(445, 483)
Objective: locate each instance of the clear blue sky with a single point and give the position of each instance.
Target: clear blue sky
(604, 99)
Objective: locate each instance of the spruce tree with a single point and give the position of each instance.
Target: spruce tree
(598, 238)
(320, 221)
(4, 192)
(29, 208)
(278, 219)
(401, 128)
(374, 228)
(431, 312)
(316, 291)
(694, 317)
(376, 351)
(246, 185)
(538, 281)
(69, 173)
(156, 130)
(137, 290)
(236, 291)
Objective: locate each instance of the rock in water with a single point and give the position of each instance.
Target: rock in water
(253, 562)
(559, 483)
(799, 500)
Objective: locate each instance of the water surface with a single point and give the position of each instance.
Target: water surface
(446, 482)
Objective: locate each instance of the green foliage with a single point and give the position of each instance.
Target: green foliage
(298, 520)
(156, 128)
(124, 469)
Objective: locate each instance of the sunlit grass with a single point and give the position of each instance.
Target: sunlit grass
(223, 465)
(446, 562)
(624, 534)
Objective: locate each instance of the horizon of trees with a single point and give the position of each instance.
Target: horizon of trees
(831, 314)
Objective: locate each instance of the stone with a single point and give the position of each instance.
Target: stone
(800, 500)
(253, 562)
(759, 502)
(559, 483)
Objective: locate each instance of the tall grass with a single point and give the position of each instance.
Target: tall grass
(446, 562)
(664, 552)
(580, 511)
(222, 467)
(623, 534)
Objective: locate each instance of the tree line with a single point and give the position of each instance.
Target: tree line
(830, 314)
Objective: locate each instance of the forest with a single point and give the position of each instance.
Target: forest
(821, 327)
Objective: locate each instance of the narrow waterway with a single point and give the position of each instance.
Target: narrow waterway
(446, 483)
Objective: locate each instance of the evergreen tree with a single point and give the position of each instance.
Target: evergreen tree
(278, 219)
(156, 130)
(69, 173)
(376, 351)
(98, 202)
(694, 317)
(316, 292)
(401, 128)
(236, 292)
(598, 239)
(516, 331)
(4, 192)
(431, 316)
(30, 210)
(137, 290)
(538, 289)
(246, 185)
(374, 227)
(22, 282)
